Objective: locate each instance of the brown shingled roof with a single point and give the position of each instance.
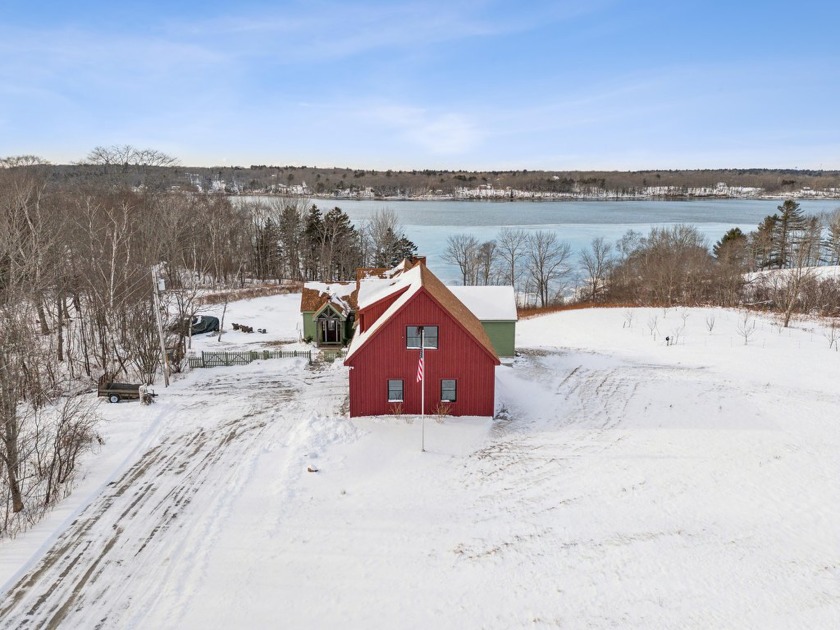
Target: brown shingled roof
(441, 293)
(312, 300)
(447, 300)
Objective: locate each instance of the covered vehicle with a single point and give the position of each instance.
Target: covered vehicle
(204, 324)
(198, 325)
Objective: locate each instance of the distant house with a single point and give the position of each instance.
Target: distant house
(398, 313)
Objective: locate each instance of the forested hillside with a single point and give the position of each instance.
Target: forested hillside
(345, 181)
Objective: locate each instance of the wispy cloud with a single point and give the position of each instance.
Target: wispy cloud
(442, 133)
(77, 44)
(331, 30)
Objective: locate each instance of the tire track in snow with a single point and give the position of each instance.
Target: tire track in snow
(157, 520)
(149, 508)
(526, 466)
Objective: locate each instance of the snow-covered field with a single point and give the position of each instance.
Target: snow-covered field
(625, 483)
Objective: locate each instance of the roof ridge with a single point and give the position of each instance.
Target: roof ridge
(455, 307)
(447, 301)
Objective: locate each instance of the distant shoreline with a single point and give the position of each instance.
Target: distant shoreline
(338, 183)
(543, 199)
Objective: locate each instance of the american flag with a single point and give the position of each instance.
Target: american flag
(420, 368)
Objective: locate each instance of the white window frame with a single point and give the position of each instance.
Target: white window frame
(426, 345)
(402, 390)
(454, 390)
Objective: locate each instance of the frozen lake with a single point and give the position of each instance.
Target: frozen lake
(429, 223)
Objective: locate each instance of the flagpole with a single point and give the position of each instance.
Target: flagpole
(422, 394)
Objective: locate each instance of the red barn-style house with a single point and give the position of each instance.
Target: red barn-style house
(395, 317)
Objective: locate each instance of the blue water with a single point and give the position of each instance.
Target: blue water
(429, 223)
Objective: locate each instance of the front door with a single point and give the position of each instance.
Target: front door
(329, 329)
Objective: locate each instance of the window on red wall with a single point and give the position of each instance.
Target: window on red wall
(430, 337)
(395, 390)
(448, 390)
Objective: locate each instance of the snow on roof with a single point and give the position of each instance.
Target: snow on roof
(374, 287)
(336, 289)
(316, 294)
(489, 304)
(412, 279)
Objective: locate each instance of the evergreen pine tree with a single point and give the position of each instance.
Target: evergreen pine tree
(313, 236)
(790, 220)
(731, 247)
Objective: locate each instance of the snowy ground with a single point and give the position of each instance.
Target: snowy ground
(627, 483)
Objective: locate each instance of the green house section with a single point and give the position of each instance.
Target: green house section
(314, 327)
(308, 325)
(503, 337)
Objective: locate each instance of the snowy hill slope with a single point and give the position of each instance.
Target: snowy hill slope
(626, 483)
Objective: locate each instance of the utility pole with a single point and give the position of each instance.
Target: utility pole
(156, 296)
(421, 376)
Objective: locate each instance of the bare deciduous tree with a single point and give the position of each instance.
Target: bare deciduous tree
(264, 238)
(511, 245)
(596, 262)
(461, 250)
(127, 155)
(793, 282)
(72, 431)
(831, 334)
(669, 266)
(13, 343)
(547, 264)
(13, 161)
(653, 325)
(746, 326)
(387, 241)
(485, 263)
(382, 230)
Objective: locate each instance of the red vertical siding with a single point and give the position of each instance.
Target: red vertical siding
(458, 356)
(375, 310)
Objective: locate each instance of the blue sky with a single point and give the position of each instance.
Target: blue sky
(480, 84)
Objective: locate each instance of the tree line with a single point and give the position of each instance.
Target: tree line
(132, 166)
